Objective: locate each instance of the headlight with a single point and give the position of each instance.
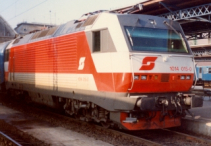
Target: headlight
(182, 77)
(188, 77)
(136, 77)
(143, 77)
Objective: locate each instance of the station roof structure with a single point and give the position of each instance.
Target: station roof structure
(193, 15)
(6, 31)
(26, 28)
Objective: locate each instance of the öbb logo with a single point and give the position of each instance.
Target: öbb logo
(148, 63)
(81, 63)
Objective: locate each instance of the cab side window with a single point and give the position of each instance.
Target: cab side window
(102, 41)
(96, 41)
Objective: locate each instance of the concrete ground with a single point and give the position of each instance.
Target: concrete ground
(53, 135)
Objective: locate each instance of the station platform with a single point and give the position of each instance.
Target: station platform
(201, 124)
(43, 131)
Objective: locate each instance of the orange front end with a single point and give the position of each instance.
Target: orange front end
(152, 122)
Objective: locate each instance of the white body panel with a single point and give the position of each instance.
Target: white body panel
(76, 81)
(165, 64)
(112, 62)
(107, 20)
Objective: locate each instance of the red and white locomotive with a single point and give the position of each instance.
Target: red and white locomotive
(129, 70)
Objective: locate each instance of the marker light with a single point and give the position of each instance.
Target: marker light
(136, 77)
(144, 77)
(188, 77)
(182, 77)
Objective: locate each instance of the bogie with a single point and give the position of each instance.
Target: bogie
(86, 111)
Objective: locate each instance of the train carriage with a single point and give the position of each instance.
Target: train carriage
(203, 74)
(134, 71)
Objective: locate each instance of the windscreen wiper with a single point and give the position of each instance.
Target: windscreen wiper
(130, 38)
(166, 23)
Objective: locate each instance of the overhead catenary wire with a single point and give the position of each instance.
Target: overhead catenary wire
(9, 6)
(28, 10)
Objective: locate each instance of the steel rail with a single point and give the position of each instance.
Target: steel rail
(189, 137)
(10, 139)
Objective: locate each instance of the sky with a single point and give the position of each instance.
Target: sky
(54, 11)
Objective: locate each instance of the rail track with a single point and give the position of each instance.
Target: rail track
(7, 140)
(146, 137)
(190, 137)
(12, 136)
(201, 91)
(168, 137)
(108, 135)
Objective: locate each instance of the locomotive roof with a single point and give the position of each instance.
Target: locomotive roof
(69, 27)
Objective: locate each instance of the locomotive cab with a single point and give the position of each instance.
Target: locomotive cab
(151, 62)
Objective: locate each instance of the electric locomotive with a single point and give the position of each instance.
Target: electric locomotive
(129, 70)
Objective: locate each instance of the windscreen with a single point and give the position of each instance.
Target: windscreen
(155, 40)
